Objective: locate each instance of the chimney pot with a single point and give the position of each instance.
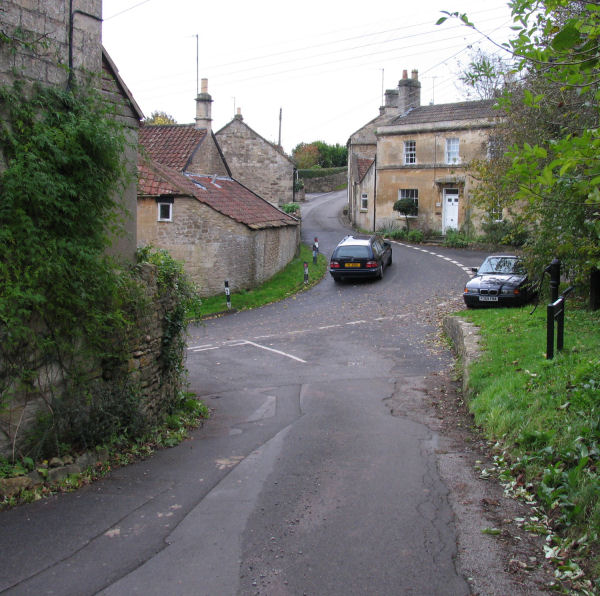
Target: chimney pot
(203, 108)
(405, 74)
(415, 74)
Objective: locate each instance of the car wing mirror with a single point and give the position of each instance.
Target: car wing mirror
(474, 269)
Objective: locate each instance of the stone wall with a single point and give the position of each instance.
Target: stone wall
(48, 21)
(256, 163)
(215, 248)
(325, 183)
(47, 24)
(207, 159)
(143, 370)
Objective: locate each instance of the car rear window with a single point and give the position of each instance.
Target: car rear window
(358, 252)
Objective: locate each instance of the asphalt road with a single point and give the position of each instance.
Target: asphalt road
(313, 476)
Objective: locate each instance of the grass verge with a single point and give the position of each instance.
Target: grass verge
(287, 282)
(544, 416)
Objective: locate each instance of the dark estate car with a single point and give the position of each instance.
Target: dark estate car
(501, 279)
(360, 257)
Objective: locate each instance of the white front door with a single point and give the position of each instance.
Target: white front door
(450, 217)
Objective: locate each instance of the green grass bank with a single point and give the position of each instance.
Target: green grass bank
(544, 416)
(286, 283)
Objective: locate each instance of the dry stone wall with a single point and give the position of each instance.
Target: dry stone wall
(325, 183)
(143, 370)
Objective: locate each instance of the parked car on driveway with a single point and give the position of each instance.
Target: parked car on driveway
(360, 257)
(500, 279)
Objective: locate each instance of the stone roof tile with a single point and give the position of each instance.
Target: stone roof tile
(465, 110)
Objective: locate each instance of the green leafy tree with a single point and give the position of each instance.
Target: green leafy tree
(320, 154)
(157, 118)
(406, 207)
(548, 173)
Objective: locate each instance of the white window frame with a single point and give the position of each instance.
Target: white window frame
(410, 152)
(164, 204)
(452, 150)
(409, 193)
(496, 213)
(364, 201)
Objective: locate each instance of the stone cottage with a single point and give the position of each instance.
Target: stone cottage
(255, 162)
(421, 153)
(190, 205)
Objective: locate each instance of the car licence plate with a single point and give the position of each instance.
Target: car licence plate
(488, 298)
(352, 265)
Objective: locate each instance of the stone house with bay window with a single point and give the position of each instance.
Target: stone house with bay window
(420, 153)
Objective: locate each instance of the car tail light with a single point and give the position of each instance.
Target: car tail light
(372, 264)
(334, 265)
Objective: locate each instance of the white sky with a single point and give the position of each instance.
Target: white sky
(324, 63)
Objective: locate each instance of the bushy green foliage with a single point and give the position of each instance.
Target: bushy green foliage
(320, 154)
(416, 236)
(504, 232)
(546, 166)
(60, 296)
(291, 208)
(455, 239)
(67, 311)
(172, 280)
(319, 172)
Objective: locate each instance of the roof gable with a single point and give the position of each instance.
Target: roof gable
(363, 165)
(239, 122)
(171, 144)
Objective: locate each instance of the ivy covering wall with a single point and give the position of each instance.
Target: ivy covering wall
(71, 317)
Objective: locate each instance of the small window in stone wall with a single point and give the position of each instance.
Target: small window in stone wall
(364, 201)
(165, 211)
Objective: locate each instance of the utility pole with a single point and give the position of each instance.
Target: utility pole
(279, 142)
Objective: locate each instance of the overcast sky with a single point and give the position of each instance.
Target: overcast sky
(323, 63)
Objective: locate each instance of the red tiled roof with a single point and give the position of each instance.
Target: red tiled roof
(236, 201)
(363, 165)
(155, 179)
(223, 194)
(171, 144)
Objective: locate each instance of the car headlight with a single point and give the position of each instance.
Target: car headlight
(469, 290)
(510, 291)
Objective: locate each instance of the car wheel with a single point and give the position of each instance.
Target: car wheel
(380, 271)
(390, 261)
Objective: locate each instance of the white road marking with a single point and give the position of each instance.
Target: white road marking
(276, 351)
(460, 265)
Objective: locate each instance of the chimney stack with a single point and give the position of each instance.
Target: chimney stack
(409, 92)
(203, 108)
(238, 115)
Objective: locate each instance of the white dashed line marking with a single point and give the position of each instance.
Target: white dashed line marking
(434, 254)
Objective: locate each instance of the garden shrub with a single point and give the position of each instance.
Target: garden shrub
(416, 236)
